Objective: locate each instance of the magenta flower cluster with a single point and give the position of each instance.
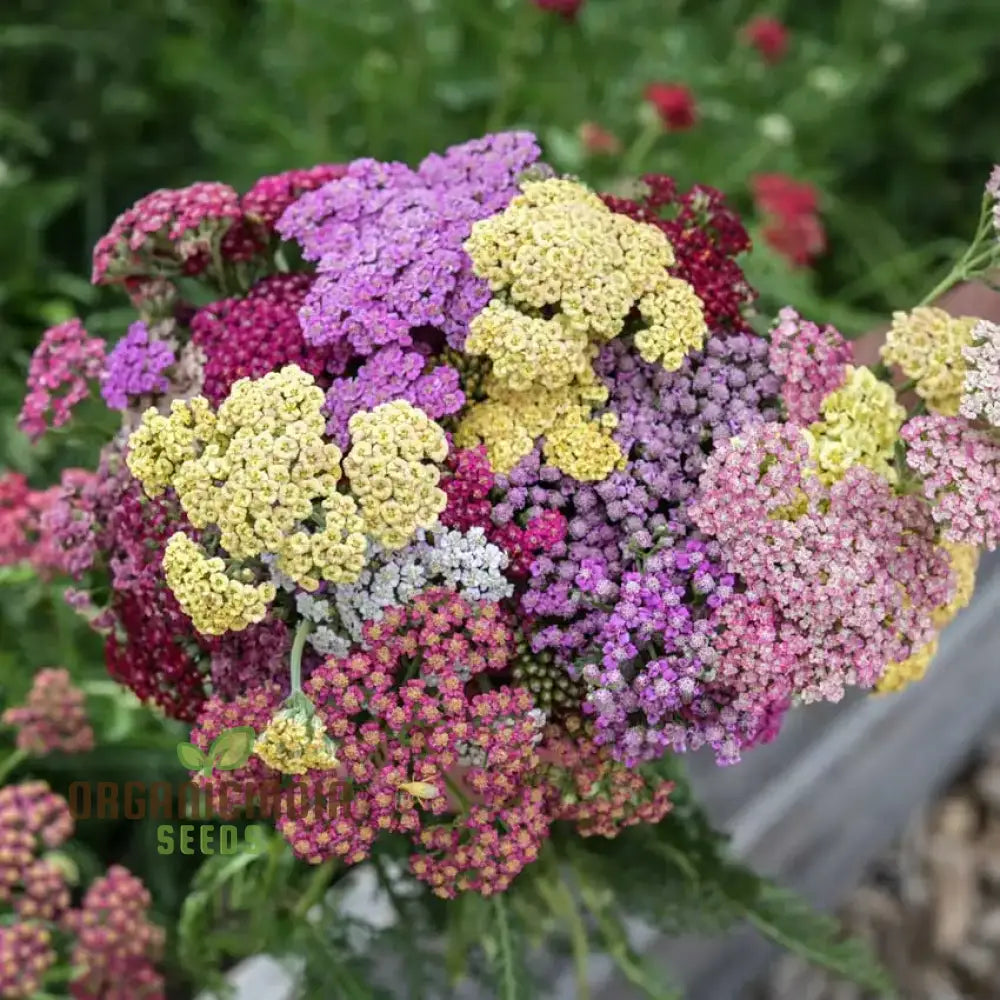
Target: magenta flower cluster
(63, 365)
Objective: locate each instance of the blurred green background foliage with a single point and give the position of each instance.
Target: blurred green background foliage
(887, 107)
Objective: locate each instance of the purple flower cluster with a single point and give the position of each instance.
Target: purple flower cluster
(667, 420)
(649, 692)
(393, 373)
(135, 367)
(388, 239)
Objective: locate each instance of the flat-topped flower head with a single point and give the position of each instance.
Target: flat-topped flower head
(981, 390)
(166, 232)
(62, 366)
(387, 240)
(263, 473)
(567, 274)
(215, 602)
(928, 344)
(54, 717)
(393, 469)
(960, 466)
(135, 367)
(812, 362)
(858, 425)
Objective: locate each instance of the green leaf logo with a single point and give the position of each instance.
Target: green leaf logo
(231, 749)
(190, 756)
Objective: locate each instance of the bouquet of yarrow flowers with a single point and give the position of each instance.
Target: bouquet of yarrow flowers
(476, 497)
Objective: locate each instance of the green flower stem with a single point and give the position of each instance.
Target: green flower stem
(12, 763)
(638, 152)
(298, 647)
(318, 885)
(456, 790)
(559, 898)
(975, 258)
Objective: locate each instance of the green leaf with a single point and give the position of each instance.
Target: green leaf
(508, 957)
(190, 756)
(232, 748)
(792, 923)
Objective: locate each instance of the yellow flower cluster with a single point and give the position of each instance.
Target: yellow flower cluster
(509, 423)
(260, 470)
(927, 344)
(294, 744)
(392, 472)
(859, 426)
(161, 445)
(566, 272)
(527, 351)
(964, 561)
(213, 600)
(899, 676)
(675, 323)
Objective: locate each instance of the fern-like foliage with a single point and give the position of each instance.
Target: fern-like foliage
(578, 900)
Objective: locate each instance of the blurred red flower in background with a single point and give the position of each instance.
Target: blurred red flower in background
(567, 8)
(674, 103)
(792, 224)
(768, 36)
(597, 140)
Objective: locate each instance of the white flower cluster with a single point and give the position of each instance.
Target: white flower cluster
(461, 561)
(981, 392)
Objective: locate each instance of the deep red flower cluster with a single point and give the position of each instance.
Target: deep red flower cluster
(674, 103)
(791, 213)
(706, 236)
(250, 336)
(565, 8)
(768, 36)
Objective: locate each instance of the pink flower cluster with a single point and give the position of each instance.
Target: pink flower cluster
(166, 227)
(960, 466)
(62, 366)
(116, 946)
(21, 512)
(113, 944)
(812, 361)
(840, 581)
(391, 731)
(54, 717)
